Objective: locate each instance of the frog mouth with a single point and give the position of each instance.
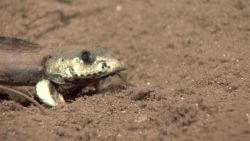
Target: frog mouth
(117, 72)
(95, 78)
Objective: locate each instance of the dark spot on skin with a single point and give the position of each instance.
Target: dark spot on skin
(71, 70)
(104, 65)
(75, 75)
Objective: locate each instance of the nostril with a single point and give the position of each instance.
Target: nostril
(104, 65)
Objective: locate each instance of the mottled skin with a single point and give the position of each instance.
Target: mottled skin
(53, 73)
(69, 73)
(80, 67)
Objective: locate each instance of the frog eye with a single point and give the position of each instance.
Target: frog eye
(87, 57)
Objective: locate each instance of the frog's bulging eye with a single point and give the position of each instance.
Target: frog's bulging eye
(88, 57)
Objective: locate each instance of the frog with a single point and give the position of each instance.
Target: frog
(53, 72)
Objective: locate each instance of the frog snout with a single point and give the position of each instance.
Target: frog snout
(109, 65)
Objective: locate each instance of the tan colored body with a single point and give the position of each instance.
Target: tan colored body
(26, 63)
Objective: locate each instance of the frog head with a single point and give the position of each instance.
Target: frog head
(85, 66)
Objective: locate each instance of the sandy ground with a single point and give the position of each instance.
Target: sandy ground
(187, 61)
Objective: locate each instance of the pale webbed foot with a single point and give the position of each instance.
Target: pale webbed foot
(48, 94)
